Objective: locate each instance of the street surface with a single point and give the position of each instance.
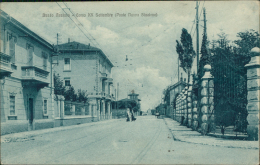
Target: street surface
(145, 141)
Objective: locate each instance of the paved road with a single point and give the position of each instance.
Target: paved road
(145, 141)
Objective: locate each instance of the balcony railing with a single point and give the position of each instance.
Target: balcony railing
(32, 73)
(110, 80)
(103, 75)
(101, 95)
(5, 65)
(95, 94)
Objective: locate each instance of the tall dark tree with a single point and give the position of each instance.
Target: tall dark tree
(205, 54)
(186, 52)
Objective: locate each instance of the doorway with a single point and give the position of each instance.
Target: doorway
(31, 115)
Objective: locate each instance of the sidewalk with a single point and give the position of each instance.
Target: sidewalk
(184, 134)
(28, 135)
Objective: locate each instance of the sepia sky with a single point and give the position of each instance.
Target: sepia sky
(148, 42)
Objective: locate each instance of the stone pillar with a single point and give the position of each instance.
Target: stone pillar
(61, 107)
(206, 99)
(98, 108)
(90, 110)
(179, 109)
(108, 110)
(83, 110)
(189, 104)
(253, 88)
(57, 107)
(195, 122)
(103, 109)
(185, 106)
(111, 115)
(72, 109)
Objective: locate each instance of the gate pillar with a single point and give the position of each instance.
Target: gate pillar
(253, 88)
(206, 101)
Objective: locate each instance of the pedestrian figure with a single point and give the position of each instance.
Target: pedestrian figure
(157, 114)
(129, 115)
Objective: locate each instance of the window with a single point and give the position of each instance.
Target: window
(67, 82)
(11, 40)
(67, 65)
(44, 58)
(45, 109)
(30, 50)
(12, 105)
(104, 69)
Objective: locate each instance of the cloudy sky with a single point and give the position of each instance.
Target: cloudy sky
(148, 42)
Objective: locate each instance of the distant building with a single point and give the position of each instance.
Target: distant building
(87, 68)
(26, 81)
(169, 96)
(134, 96)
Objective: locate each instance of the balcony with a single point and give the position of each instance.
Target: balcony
(95, 95)
(32, 75)
(103, 75)
(110, 80)
(5, 65)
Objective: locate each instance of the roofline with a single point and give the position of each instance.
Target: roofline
(175, 85)
(19, 25)
(106, 58)
(94, 50)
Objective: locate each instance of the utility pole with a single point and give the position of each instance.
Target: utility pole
(197, 28)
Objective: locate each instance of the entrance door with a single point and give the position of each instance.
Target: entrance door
(30, 113)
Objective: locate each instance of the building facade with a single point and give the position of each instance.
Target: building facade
(87, 68)
(26, 81)
(170, 95)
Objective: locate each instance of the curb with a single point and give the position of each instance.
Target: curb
(192, 142)
(28, 135)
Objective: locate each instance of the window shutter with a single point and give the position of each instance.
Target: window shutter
(12, 49)
(30, 56)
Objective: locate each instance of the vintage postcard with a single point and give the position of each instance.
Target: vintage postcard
(164, 82)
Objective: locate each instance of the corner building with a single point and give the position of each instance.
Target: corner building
(87, 68)
(26, 81)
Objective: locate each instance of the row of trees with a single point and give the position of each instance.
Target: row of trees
(69, 93)
(228, 58)
(247, 40)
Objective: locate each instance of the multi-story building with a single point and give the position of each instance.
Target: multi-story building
(87, 68)
(26, 93)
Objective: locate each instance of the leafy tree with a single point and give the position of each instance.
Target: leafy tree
(223, 39)
(82, 96)
(70, 94)
(128, 103)
(230, 89)
(185, 52)
(247, 40)
(59, 89)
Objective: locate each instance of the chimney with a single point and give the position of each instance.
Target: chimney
(88, 45)
(68, 40)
